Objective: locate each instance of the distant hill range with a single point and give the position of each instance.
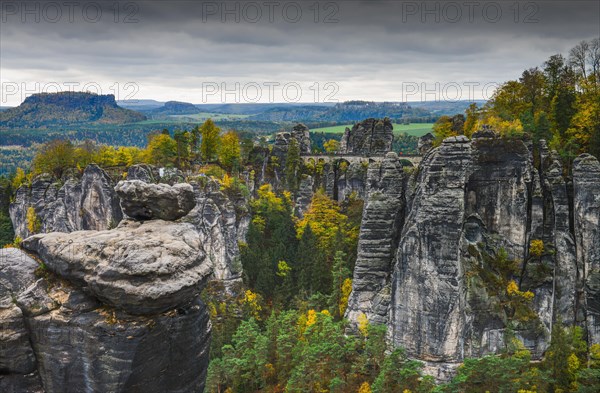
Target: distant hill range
(177, 108)
(140, 105)
(344, 112)
(48, 110)
(67, 108)
(448, 108)
(348, 111)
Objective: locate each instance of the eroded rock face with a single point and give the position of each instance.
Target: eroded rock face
(88, 202)
(301, 133)
(65, 340)
(119, 310)
(16, 275)
(105, 351)
(220, 229)
(370, 137)
(425, 314)
(586, 184)
(304, 196)
(145, 201)
(142, 268)
(430, 235)
(383, 216)
(144, 172)
(18, 364)
(338, 177)
(425, 143)
(220, 220)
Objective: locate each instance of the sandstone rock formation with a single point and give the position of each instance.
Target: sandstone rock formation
(369, 137)
(114, 310)
(221, 223)
(301, 133)
(425, 143)
(18, 364)
(91, 202)
(88, 202)
(586, 195)
(382, 219)
(145, 201)
(119, 310)
(351, 178)
(56, 337)
(143, 172)
(304, 196)
(432, 236)
(122, 267)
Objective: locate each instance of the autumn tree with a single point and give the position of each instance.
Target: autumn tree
(331, 231)
(54, 157)
(18, 179)
(326, 219)
(339, 291)
(319, 355)
(229, 151)
(447, 126)
(585, 123)
(209, 147)
(588, 379)
(195, 138)
(558, 102)
(183, 140)
(85, 154)
(565, 356)
(33, 222)
(161, 150)
(470, 125)
(508, 101)
(331, 146)
(533, 84)
(309, 351)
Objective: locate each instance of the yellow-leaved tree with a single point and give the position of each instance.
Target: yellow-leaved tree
(161, 150)
(33, 222)
(325, 220)
(19, 179)
(229, 151)
(331, 146)
(364, 388)
(209, 147)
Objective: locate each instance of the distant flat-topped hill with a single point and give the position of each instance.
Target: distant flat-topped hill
(177, 108)
(66, 108)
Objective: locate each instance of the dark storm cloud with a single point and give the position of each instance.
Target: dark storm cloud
(369, 48)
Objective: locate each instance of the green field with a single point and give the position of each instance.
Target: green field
(414, 129)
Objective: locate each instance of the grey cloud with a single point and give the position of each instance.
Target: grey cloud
(370, 50)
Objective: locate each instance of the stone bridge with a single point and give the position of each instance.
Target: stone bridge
(356, 158)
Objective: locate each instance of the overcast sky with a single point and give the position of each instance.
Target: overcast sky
(283, 51)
